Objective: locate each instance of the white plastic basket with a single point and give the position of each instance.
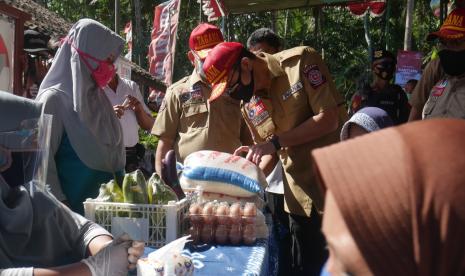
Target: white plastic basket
(157, 225)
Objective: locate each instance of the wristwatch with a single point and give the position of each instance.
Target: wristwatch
(275, 141)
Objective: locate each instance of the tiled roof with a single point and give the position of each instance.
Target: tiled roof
(50, 23)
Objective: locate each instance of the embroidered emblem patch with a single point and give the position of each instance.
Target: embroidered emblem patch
(314, 76)
(294, 89)
(439, 88)
(256, 111)
(192, 96)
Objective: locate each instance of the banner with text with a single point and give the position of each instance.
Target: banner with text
(163, 44)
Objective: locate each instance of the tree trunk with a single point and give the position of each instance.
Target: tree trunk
(408, 25)
(387, 31)
(137, 40)
(117, 16)
(285, 25)
(366, 26)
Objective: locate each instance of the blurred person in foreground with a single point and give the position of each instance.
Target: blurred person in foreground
(291, 105)
(394, 201)
(366, 120)
(86, 143)
(187, 121)
(447, 97)
(38, 234)
(265, 40)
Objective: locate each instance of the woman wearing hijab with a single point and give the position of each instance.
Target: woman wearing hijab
(364, 121)
(404, 214)
(86, 140)
(38, 234)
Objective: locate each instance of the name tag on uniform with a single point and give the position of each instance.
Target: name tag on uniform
(314, 76)
(192, 96)
(439, 88)
(294, 88)
(256, 111)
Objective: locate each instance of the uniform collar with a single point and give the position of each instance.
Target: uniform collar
(194, 78)
(273, 64)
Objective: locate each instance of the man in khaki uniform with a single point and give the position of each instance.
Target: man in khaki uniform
(431, 74)
(447, 98)
(186, 121)
(291, 105)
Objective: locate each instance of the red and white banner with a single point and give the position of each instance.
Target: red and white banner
(213, 9)
(162, 47)
(408, 66)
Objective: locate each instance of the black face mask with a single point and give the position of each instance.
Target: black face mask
(243, 92)
(453, 62)
(385, 70)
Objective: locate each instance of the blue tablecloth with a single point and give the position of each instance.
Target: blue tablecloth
(222, 260)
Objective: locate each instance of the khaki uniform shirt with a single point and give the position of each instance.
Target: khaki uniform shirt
(301, 87)
(431, 75)
(187, 118)
(447, 99)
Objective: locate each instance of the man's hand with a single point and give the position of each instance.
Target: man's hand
(255, 152)
(119, 110)
(133, 104)
(115, 258)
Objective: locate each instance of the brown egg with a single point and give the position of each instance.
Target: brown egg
(195, 209)
(208, 209)
(222, 213)
(249, 234)
(235, 213)
(221, 234)
(235, 235)
(206, 234)
(250, 209)
(208, 213)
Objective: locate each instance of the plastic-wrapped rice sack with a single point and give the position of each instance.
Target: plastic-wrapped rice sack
(223, 173)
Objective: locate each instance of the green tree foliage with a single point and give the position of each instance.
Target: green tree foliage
(333, 31)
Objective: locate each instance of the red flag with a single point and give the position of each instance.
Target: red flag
(213, 9)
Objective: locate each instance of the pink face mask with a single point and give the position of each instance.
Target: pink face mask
(104, 72)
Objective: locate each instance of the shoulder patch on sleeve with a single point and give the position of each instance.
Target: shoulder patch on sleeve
(314, 76)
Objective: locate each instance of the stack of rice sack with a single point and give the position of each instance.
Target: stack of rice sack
(231, 190)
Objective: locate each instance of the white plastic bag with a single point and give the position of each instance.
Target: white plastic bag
(167, 261)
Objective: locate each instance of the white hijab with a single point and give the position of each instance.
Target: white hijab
(79, 107)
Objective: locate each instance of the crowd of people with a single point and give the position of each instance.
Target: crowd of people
(344, 200)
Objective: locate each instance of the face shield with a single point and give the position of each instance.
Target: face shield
(24, 153)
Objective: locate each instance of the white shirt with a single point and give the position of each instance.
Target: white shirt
(275, 180)
(128, 120)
